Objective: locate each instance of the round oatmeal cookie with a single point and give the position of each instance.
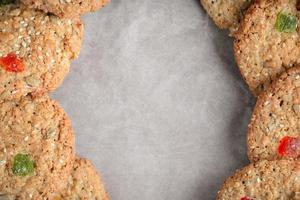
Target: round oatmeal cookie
(267, 41)
(35, 50)
(275, 123)
(226, 13)
(264, 180)
(36, 148)
(66, 8)
(85, 183)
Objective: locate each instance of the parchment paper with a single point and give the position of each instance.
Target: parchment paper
(157, 102)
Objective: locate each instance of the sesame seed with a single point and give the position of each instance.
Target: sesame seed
(24, 44)
(2, 162)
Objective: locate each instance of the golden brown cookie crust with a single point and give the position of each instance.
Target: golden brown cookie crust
(85, 183)
(264, 180)
(275, 116)
(45, 43)
(66, 8)
(261, 51)
(40, 128)
(226, 13)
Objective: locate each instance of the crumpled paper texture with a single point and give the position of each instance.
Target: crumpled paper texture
(157, 101)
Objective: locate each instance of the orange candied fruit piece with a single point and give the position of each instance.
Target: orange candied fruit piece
(289, 147)
(12, 63)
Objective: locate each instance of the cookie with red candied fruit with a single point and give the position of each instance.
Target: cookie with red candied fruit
(35, 50)
(264, 180)
(274, 128)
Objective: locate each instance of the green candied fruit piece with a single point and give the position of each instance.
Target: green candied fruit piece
(4, 2)
(22, 165)
(286, 23)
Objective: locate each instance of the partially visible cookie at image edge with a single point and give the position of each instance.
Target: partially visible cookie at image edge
(226, 13)
(84, 183)
(35, 50)
(267, 42)
(65, 8)
(263, 180)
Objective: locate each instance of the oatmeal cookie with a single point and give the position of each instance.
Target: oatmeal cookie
(85, 183)
(36, 148)
(35, 50)
(275, 123)
(66, 8)
(268, 41)
(226, 13)
(264, 180)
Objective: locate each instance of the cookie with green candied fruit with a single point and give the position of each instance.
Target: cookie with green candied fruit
(274, 127)
(264, 180)
(227, 14)
(66, 8)
(267, 42)
(35, 50)
(84, 183)
(36, 149)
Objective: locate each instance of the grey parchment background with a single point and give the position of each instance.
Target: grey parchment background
(157, 101)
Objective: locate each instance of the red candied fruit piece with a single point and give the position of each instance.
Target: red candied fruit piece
(12, 63)
(288, 147)
(245, 198)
